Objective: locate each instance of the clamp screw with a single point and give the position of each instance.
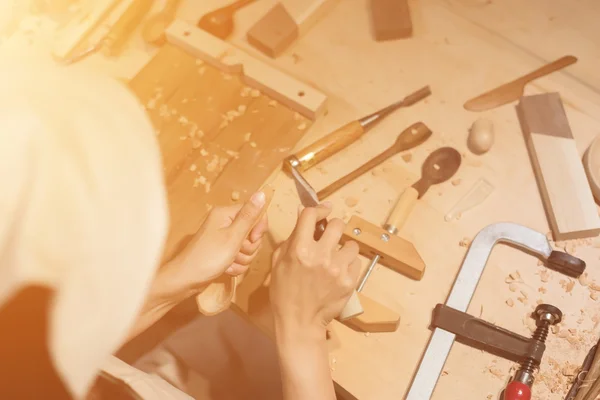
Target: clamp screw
(356, 231)
(385, 237)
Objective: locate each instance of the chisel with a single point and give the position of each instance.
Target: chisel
(347, 134)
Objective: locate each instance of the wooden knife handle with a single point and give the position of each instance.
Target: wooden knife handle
(549, 68)
(352, 308)
(402, 209)
(328, 145)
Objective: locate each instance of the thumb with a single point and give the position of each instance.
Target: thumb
(248, 216)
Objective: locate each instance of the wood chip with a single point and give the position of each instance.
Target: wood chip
(545, 276)
(465, 242)
(196, 144)
(539, 301)
(569, 287)
(272, 103)
(555, 329)
(510, 302)
(255, 93)
(242, 109)
(594, 296)
(253, 144)
(523, 300)
(407, 157)
(456, 182)
(302, 126)
(203, 152)
(247, 136)
(235, 195)
(524, 294)
(563, 334)
(496, 372)
(513, 287)
(351, 201)
(193, 167)
(515, 275)
(530, 323)
(542, 290)
(584, 280)
(594, 286)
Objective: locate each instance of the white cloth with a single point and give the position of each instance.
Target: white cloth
(82, 207)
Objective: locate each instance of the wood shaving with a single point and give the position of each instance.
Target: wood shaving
(515, 275)
(182, 138)
(203, 152)
(367, 334)
(232, 153)
(569, 287)
(513, 287)
(235, 195)
(456, 182)
(542, 290)
(563, 334)
(444, 373)
(272, 103)
(193, 167)
(594, 286)
(407, 157)
(242, 109)
(252, 144)
(207, 187)
(199, 62)
(247, 136)
(297, 116)
(539, 301)
(570, 248)
(255, 93)
(540, 263)
(544, 276)
(183, 120)
(530, 324)
(510, 302)
(555, 329)
(524, 294)
(594, 296)
(523, 300)
(465, 242)
(196, 144)
(302, 126)
(496, 372)
(351, 201)
(584, 280)
(245, 92)
(201, 70)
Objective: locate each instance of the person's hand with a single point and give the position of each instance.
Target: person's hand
(311, 281)
(227, 242)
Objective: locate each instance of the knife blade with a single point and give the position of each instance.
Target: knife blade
(308, 198)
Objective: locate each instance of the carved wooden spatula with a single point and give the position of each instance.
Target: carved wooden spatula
(513, 90)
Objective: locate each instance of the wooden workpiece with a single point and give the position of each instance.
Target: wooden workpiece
(560, 174)
(285, 22)
(462, 48)
(281, 87)
(391, 19)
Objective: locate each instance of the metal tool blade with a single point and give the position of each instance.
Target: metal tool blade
(308, 196)
(462, 292)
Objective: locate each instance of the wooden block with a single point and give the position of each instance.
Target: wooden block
(391, 19)
(561, 178)
(396, 253)
(307, 13)
(375, 318)
(273, 33)
(276, 84)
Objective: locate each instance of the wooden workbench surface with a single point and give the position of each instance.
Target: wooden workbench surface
(461, 48)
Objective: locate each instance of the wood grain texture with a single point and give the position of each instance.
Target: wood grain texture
(273, 33)
(391, 19)
(255, 73)
(558, 168)
(397, 253)
(217, 137)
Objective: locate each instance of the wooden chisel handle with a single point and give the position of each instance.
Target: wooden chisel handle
(402, 210)
(328, 146)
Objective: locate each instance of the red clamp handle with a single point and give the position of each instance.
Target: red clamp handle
(517, 391)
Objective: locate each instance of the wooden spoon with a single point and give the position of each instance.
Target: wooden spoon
(512, 91)
(154, 29)
(220, 22)
(411, 137)
(440, 166)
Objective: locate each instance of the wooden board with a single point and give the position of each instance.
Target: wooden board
(278, 85)
(559, 171)
(391, 19)
(217, 135)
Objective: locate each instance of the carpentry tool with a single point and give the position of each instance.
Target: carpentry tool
(411, 137)
(557, 166)
(308, 197)
(591, 163)
(154, 29)
(220, 22)
(346, 135)
(462, 292)
(440, 166)
(513, 90)
(592, 378)
(583, 371)
(475, 196)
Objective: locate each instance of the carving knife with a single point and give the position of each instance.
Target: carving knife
(512, 91)
(308, 198)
